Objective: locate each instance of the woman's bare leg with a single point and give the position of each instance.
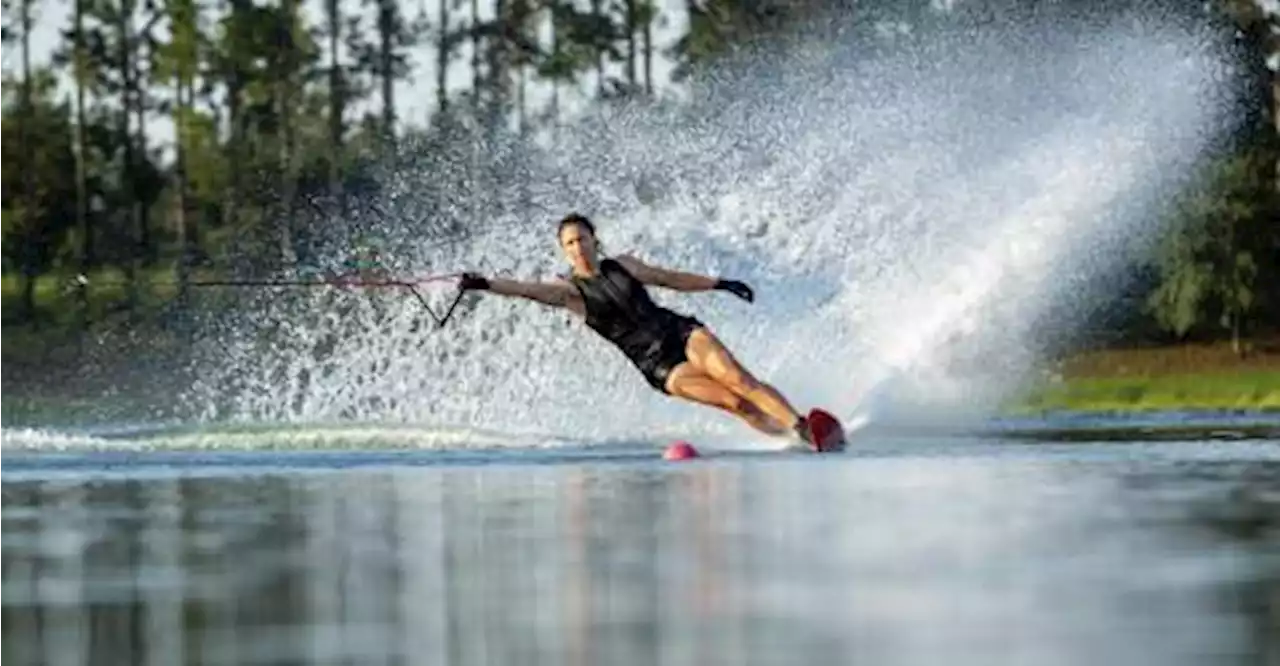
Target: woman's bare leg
(687, 382)
(708, 355)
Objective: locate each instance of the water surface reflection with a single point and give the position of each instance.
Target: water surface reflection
(982, 559)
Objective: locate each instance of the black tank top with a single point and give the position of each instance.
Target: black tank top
(619, 308)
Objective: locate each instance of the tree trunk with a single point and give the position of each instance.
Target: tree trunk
(475, 55)
(597, 16)
(28, 189)
(387, 32)
(128, 169)
(284, 109)
(181, 225)
(526, 193)
(555, 76)
(496, 73)
(632, 78)
(235, 101)
(648, 57)
(442, 59)
(191, 214)
(141, 215)
(1275, 108)
(336, 101)
(82, 186)
(521, 118)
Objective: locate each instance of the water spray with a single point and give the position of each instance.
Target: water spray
(904, 215)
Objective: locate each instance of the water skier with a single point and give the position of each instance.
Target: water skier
(676, 354)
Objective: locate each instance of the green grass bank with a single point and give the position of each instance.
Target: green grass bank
(1199, 376)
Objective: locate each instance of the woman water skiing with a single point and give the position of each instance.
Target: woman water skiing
(675, 353)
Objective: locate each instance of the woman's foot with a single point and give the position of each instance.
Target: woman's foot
(830, 436)
(801, 428)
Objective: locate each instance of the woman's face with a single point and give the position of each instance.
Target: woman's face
(579, 246)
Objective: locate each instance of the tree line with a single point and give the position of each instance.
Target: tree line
(261, 104)
(272, 113)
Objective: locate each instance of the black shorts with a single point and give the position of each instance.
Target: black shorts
(665, 356)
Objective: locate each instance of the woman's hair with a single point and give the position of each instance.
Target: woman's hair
(575, 218)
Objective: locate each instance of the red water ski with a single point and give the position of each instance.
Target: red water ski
(825, 431)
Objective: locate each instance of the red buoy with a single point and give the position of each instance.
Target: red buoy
(681, 450)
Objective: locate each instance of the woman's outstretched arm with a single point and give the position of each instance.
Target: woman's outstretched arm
(560, 295)
(681, 281)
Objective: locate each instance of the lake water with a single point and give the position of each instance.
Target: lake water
(909, 550)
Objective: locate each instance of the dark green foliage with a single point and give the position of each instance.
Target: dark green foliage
(39, 200)
(1218, 261)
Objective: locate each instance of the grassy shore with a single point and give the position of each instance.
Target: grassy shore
(1187, 377)
(54, 338)
(56, 298)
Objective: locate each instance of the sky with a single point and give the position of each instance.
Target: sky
(416, 96)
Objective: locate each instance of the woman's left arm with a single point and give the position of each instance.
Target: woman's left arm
(682, 281)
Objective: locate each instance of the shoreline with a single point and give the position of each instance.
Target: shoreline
(1175, 377)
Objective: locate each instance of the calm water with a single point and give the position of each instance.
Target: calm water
(921, 552)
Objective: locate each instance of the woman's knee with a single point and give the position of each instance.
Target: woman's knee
(716, 360)
(712, 393)
(743, 384)
(740, 406)
(735, 378)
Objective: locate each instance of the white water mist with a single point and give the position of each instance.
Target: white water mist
(903, 218)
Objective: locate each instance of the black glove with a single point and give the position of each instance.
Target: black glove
(739, 289)
(470, 281)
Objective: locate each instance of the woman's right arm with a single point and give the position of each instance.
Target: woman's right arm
(561, 295)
